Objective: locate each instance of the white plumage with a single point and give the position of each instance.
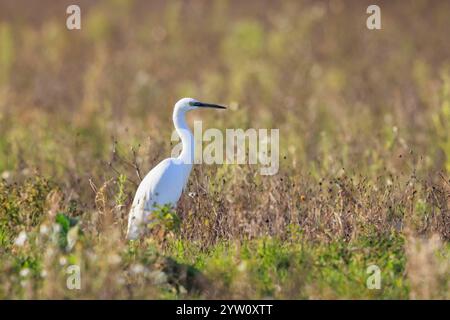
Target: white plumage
(164, 184)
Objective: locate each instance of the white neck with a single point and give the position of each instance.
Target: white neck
(187, 139)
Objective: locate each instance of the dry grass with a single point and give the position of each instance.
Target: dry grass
(364, 119)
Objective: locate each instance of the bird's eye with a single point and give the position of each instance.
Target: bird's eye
(192, 103)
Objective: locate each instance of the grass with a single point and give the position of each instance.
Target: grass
(364, 120)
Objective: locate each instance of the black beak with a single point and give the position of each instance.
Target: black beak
(208, 105)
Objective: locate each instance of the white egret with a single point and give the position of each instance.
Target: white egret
(164, 184)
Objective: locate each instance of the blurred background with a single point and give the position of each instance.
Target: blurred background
(364, 120)
(341, 95)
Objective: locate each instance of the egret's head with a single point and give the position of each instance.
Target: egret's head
(187, 104)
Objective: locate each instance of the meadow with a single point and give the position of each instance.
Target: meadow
(364, 124)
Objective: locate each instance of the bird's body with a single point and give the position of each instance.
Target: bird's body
(164, 184)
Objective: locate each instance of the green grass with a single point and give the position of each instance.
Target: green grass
(364, 123)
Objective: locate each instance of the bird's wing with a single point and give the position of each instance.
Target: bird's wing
(163, 185)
